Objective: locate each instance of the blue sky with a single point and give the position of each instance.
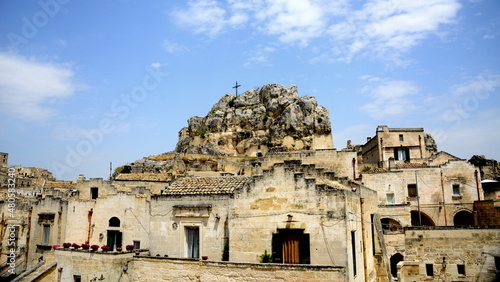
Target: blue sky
(86, 83)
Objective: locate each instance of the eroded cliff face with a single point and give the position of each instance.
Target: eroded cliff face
(273, 118)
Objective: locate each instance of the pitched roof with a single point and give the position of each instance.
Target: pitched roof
(207, 185)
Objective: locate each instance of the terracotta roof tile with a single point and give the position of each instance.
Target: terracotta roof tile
(207, 185)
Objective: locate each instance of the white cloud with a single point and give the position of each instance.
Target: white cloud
(155, 65)
(28, 86)
(172, 47)
(385, 28)
(203, 16)
(390, 27)
(259, 56)
(390, 97)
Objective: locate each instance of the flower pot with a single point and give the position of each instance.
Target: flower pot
(204, 257)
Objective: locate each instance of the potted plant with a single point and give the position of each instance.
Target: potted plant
(85, 246)
(204, 257)
(94, 248)
(55, 246)
(66, 245)
(75, 246)
(129, 247)
(118, 249)
(105, 248)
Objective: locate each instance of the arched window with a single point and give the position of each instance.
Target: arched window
(114, 222)
(389, 224)
(395, 259)
(426, 220)
(463, 218)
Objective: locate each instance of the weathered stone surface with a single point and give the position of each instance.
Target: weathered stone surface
(274, 117)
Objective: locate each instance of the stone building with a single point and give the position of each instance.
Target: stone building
(255, 191)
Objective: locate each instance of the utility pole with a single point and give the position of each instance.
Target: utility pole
(418, 200)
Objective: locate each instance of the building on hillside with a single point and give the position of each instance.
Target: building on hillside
(393, 146)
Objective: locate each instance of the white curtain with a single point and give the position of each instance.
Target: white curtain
(193, 242)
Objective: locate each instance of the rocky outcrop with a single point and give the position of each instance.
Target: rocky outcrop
(273, 118)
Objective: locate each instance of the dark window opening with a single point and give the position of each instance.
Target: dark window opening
(463, 218)
(426, 220)
(46, 234)
(137, 245)
(412, 190)
(94, 192)
(77, 278)
(373, 233)
(401, 154)
(291, 246)
(389, 224)
(353, 247)
(461, 269)
(114, 222)
(401, 138)
(429, 269)
(456, 189)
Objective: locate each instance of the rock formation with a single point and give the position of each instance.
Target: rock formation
(273, 118)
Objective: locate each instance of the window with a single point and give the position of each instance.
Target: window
(401, 154)
(193, 242)
(353, 246)
(429, 269)
(412, 190)
(137, 245)
(401, 138)
(46, 234)
(77, 278)
(94, 192)
(390, 198)
(114, 222)
(461, 269)
(456, 189)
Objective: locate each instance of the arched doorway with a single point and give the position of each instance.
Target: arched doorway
(395, 259)
(426, 220)
(462, 218)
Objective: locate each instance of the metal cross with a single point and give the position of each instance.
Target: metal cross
(236, 87)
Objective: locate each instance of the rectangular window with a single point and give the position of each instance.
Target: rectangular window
(401, 138)
(390, 198)
(46, 234)
(353, 246)
(456, 189)
(77, 278)
(412, 190)
(429, 269)
(461, 269)
(137, 245)
(94, 192)
(401, 154)
(193, 242)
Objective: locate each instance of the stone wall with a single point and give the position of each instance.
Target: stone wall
(164, 269)
(474, 248)
(124, 267)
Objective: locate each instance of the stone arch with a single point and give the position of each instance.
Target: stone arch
(426, 220)
(463, 217)
(395, 259)
(390, 224)
(114, 222)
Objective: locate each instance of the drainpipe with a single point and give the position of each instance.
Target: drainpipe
(477, 185)
(91, 211)
(365, 266)
(59, 226)
(444, 201)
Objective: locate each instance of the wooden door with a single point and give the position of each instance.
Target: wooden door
(290, 249)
